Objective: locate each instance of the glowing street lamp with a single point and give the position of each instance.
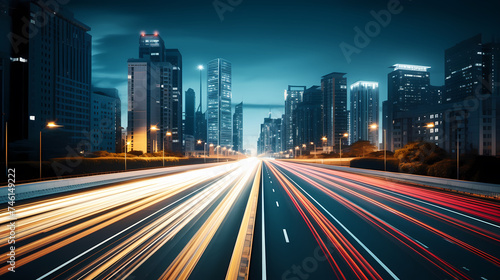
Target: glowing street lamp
(168, 135)
(126, 150)
(314, 144)
(154, 128)
(343, 136)
(50, 125)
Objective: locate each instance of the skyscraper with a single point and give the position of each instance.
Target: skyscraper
(463, 69)
(270, 137)
(471, 77)
(308, 117)
(143, 105)
(169, 63)
(364, 112)
(190, 107)
(5, 50)
(174, 57)
(219, 103)
(152, 46)
(238, 128)
(334, 88)
(408, 85)
(105, 120)
(50, 79)
(293, 96)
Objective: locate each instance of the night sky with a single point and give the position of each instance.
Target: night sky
(273, 44)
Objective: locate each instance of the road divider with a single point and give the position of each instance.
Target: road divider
(239, 266)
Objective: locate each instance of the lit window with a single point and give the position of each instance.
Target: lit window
(32, 118)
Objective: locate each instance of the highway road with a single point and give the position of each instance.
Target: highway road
(325, 224)
(257, 220)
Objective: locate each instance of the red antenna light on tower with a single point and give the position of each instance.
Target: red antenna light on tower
(143, 33)
(156, 33)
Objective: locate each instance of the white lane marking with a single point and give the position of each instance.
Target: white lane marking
(430, 204)
(286, 236)
(348, 231)
(119, 233)
(273, 190)
(465, 268)
(277, 204)
(264, 273)
(484, 278)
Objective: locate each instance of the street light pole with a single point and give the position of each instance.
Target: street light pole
(40, 152)
(345, 135)
(458, 155)
(340, 151)
(385, 150)
(126, 150)
(49, 125)
(6, 149)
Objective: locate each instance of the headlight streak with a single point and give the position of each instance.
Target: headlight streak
(67, 235)
(239, 266)
(370, 217)
(81, 214)
(477, 207)
(442, 217)
(457, 241)
(185, 262)
(357, 263)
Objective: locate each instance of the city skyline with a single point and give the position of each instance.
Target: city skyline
(393, 45)
(232, 139)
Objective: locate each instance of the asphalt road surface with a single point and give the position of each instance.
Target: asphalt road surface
(256, 219)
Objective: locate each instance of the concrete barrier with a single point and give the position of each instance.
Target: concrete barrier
(475, 188)
(33, 190)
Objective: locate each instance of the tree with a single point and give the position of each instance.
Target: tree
(361, 148)
(420, 152)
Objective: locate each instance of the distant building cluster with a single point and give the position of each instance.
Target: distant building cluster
(48, 101)
(460, 116)
(155, 97)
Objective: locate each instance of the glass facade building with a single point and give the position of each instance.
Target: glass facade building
(174, 57)
(105, 120)
(50, 80)
(219, 128)
(238, 128)
(293, 96)
(364, 112)
(143, 105)
(190, 112)
(334, 88)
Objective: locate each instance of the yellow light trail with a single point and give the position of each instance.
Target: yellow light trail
(54, 223)
(185, 262)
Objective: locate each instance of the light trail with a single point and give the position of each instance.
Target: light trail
(358, 265)
(52, 224)
(321, 178)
